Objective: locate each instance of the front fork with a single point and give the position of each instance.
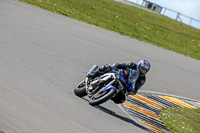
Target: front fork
(108, 86)
(103, 79)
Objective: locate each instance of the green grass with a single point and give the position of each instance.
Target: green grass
(181, 120)
(1, 132)
(129, 21)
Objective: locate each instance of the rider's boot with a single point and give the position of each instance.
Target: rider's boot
(91, 72)
(99, 71)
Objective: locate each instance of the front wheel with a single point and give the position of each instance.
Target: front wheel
(101, 97)
(80, 89)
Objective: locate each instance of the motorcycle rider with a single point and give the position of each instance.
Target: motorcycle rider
(142, 67)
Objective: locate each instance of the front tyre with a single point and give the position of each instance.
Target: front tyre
(101, 97)
(80, 89)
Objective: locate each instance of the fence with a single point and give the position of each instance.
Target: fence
(181, 17)
(174, 15)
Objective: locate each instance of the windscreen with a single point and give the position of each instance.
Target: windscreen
(133, 76)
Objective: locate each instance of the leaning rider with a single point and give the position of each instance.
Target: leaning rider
(142, 67)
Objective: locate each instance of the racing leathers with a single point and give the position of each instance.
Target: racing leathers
(141, 79)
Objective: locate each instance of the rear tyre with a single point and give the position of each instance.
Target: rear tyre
(80, 89)
(101, 97)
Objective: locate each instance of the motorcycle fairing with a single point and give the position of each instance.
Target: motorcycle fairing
(109, 87)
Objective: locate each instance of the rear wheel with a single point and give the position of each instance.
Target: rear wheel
(80, 89)
(101, 97)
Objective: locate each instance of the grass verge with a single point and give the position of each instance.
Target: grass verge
(129, 21)
(181, 120)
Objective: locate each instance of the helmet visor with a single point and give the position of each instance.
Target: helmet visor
(143, 71)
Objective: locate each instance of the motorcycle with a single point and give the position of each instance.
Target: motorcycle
(107, 86)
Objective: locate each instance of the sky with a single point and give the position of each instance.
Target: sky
(190, 8)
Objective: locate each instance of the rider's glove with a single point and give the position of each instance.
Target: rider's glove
(129, 87)
(130, 90)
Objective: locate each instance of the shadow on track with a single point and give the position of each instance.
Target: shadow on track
(125, 119)
(99, 107)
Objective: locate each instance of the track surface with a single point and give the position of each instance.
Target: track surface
(43, 55)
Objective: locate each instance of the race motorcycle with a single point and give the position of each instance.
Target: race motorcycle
(107, 86)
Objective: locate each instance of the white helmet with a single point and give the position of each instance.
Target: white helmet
(143, 67)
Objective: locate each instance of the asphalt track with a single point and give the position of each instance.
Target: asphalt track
(43, 55)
